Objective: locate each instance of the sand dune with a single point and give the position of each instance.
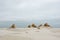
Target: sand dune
(30, 34)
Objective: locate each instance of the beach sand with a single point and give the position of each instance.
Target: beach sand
(30, 34)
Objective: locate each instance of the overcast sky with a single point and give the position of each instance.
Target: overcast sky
(14, 10)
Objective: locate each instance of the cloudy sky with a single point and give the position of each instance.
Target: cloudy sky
(15, 10)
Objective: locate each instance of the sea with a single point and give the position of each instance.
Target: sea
(24, 24)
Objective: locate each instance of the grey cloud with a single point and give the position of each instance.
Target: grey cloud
(29, 9)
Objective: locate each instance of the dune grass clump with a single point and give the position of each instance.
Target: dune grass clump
(33, 25)
(13, 26)
(46, 25)
(29, 26)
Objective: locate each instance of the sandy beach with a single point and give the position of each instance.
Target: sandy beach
(30, 34)
(29, 19)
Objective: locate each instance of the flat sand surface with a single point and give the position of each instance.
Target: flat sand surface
(30, 34)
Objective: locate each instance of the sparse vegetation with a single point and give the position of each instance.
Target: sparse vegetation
(29, 26)
(33, 25)
(46, 25)
(13, 26)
